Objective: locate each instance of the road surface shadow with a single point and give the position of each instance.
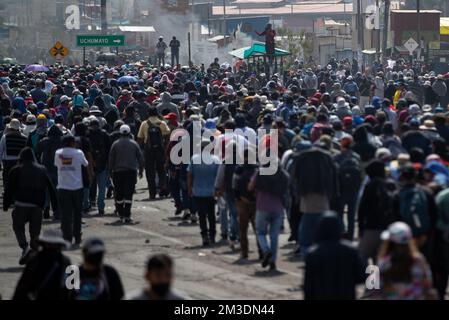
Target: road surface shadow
(184, 224)
(11, 269)
(289, 245)
(241, 261)
(295, 289)
(48, 222)
(150, 200)
(268, 273)
(118, 223)
(175, 218)
(197, 247)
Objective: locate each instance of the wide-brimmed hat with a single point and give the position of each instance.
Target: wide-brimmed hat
(53, 236)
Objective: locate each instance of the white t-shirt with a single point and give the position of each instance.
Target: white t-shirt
(69, 162)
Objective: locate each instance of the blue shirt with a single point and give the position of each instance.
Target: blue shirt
(203, 175)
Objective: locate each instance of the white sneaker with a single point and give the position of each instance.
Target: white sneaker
(186, 214)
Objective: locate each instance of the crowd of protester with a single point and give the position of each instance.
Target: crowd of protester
(362, 168)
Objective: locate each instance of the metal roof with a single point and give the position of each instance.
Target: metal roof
(257, 49)
(137, 28)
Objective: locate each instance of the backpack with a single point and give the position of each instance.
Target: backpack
(154, 138)
(414, 210)
(394, 146)
(98, 150)
(350, 174)
(385, 203)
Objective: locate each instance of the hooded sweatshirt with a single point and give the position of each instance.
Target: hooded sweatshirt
(28, 183)
(166, 104)
(333, 266)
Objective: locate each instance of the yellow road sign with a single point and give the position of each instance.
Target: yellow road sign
(59, 51)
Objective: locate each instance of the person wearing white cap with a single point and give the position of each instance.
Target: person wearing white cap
(36, 281)
(404, 272)
(12, 142)
(125, 160)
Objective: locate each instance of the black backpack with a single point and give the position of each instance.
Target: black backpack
(98, 149)
(350, 174)
(154, 138)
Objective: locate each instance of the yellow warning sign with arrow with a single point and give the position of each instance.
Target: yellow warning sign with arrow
(59, 51)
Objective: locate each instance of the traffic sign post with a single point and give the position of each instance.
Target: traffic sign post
(58, 51)
(411, 45)
(100, 40)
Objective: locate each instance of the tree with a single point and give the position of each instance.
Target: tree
(297, 43)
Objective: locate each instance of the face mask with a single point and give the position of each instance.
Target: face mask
(161, 289)
(94, 259)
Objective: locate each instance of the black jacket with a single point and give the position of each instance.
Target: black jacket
(333, 266)
(28, 183)
(46, 150)
(100, 146)
(90, 281)
(316, 172)
(376, 206)
(43, 277)
(416, 139)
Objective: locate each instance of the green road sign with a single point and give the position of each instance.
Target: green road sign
(100, 41)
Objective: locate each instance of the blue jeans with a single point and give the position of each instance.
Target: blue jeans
(175, 187)
(307, 230)
(229, 225)
(186, 202)
(273, 220)
(86, 201)
(101, 182)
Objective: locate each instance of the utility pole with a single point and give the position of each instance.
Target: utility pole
(225, 31)
(418, 16)
(377, 32)
(103, 17)
(360, 23)
(385, 31)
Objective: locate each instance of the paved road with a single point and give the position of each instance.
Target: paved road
(212, 273)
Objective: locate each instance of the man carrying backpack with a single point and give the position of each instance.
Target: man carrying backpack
(152, 135)
(415, 206)
(100, 146)
(350, 178)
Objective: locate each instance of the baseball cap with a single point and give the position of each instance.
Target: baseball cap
(64, 98)
(171, 116)
(124, 129)
(93, 245)
(31, 119)
(397, 232)
(14, 124)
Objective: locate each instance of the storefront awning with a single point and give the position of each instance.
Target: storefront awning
(444, 26)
